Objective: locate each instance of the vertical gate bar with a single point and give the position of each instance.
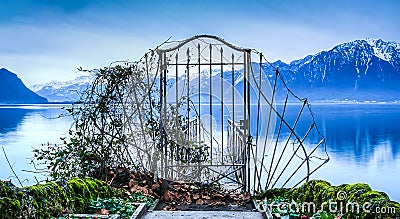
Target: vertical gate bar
(233, 102)
(244, 153)
(165, 109)
(210, 94)
(199, 93)
(153, 137)
(245, 91)
(176, 113)
(222, 106)
(187, 98)
(154, 164)
(176, 85)
(148, 85)
(248, 137)
(259, 97)
(249, 67)
(160, 64)
(229, 133)
(199, 103)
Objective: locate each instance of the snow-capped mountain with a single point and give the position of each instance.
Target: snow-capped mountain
(66, 91)
(355, 70)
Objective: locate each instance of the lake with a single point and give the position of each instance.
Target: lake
(24, 127)
(363, 141)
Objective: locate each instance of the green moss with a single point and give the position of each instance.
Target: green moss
(83, 190)
(9, 203)
(273, 193)
(313, 191)
(319, 191)
(92, 184)
(9, 206)
(372, 196)
(79, 187)
(6, 191)
(50, 199)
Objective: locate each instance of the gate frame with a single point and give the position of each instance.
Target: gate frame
(241, 170)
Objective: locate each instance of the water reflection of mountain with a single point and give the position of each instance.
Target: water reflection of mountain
(358, 131)
(11, 118)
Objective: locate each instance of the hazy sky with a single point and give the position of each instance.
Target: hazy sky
(44, 40)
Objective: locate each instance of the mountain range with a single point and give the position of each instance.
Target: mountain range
(13, 90)
(361, 70)
(63, 91)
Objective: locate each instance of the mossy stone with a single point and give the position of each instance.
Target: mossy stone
(320, 191)
(50, 199)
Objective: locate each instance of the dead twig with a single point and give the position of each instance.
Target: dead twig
(9, 164)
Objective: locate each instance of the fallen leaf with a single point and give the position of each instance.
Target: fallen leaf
(199, 202)
(167, 197)
(155, 185)
(206, 197)
(219, 203)
(103, 211)
(188, 199)
(218, 196)
(196, 196)
(132, 183)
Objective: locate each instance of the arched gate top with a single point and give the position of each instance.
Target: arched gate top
(174, 46)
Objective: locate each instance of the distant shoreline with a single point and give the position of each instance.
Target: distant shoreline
(277, 103)
(30, 104)
(34, 105)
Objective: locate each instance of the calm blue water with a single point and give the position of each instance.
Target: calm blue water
(23, 128)
(363, 141)
(364, 144)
